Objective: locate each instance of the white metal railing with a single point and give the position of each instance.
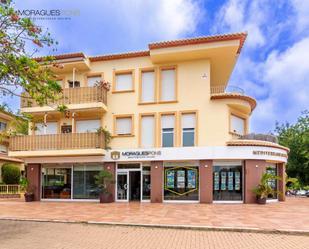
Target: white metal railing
(226, 89)
(10, 189)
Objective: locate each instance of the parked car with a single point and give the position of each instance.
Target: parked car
(301, 192)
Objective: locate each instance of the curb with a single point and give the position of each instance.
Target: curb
(183, 227)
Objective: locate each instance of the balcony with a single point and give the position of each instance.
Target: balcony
(91, 143)
(235, 95)
(73, 98)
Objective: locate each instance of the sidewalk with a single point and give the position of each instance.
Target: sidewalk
(291, 215)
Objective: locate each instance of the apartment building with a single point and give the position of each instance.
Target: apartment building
(180, 132)
(5, 125)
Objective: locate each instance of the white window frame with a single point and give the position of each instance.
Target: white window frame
(117, 117)
(168, 132)
(123, 72)
(161, 88)
(142, 86)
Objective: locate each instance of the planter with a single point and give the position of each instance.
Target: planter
(261, 200)
(106, 198)
(29, 197)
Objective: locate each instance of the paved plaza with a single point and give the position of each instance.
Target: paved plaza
(289, 215)
(38, 235)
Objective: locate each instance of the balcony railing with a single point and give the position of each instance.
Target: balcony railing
(9, 189)
(77, 95)
(261, 137)
(226, 89)
(66, 141)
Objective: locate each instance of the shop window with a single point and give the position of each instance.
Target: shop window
(227, 183)
(147, 131)
(84, 186)
(93, 80)
(123, 81)
(124, 125)
(181, 183)
(167, 130)
(238, 125)
(146, 183)
(48, 128)
(83, 126)
(188, 129)
(56, 183)
(273, 183)
(168, 84)
(148, 87)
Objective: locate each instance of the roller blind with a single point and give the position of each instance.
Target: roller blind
(188, 120)
(148, 131)
(167, 121)
(87, 125)
(148, 87)
(237, 125)
(51, 128)
(93, 80)
(168, 85)
(124, 82)
(123, 126)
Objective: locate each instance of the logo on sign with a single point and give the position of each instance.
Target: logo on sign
(115, 155)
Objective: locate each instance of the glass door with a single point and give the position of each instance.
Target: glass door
(122, 186)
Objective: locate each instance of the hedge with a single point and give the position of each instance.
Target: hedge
(10, 173)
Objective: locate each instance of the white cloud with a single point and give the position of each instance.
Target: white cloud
(301, 8)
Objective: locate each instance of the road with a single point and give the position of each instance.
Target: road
(25, 234)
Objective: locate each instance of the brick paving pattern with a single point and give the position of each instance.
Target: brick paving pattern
(289, 215)
(32, 235)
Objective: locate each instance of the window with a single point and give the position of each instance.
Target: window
(271, 169)
(188, 129)
(168, 85)
(168, 129)
(83, 126)
(73, 84)
(50, 128)
(123, 81)
(93, 80)
(148, 87)
(124, 125)
(147, 131)
(2, 126)
(237, 125)
(3, 148)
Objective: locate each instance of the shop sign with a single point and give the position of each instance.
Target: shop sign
(144, 154)
(269, 153)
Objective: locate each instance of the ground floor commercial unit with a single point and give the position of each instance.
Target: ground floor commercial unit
(187, 174)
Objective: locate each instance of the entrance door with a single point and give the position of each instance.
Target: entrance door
(135, 186)
(122, 186)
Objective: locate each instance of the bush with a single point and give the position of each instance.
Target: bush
(10, 173)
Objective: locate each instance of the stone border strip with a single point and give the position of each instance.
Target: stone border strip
(167, 226)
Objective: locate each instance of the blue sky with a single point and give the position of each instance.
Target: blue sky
(273, 66)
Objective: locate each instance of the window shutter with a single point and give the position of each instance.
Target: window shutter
(238, 125)
(167, 121)
(148, 131)
(168, 85)
(124, 82)
(83, 126)
(148, 87)
(123, 126)
(93, 80)
(188, 120)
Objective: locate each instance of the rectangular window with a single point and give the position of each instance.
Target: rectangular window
(188, 129)
(123, 81)
(3, 148)
(124, 125)
(147, 131)
(50, 128)
(148, 87)
(237, 125)
(168, 85)
(93, 80)
(2, 126)
(168, 130)
(73, 84)
(83, 126)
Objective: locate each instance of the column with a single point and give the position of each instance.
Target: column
(111, 167)
(254, 170)
(34, 178)
(206, 181)
(281, 182)
(156, 178)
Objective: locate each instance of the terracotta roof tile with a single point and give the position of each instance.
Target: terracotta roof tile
(62, 56)
(245, 142)
(199, 40)
(119, 56)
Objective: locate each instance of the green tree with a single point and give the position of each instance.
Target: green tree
(10, 173)
(296, 137)
(18, 68)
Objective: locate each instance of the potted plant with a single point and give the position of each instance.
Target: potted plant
(264, 189)
(27, 189)
(104, 180)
